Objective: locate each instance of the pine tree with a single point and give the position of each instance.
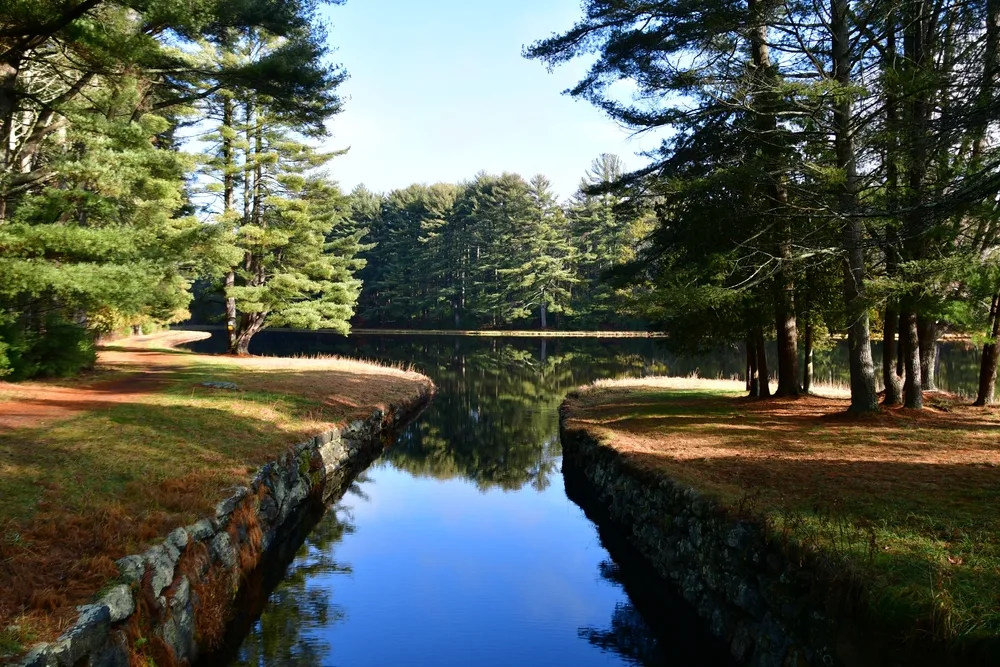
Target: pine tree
(605, 234)
(291, 273)
(540, 272)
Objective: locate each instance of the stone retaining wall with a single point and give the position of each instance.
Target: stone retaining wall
(169, 597)
(769, 609)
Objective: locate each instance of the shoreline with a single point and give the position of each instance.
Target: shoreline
(529, 333)
(463, 333)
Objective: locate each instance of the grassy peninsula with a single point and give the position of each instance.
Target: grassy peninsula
(104, 465)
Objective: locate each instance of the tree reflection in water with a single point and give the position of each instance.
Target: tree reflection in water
(289, 632)
(629, 635)
(495, 418)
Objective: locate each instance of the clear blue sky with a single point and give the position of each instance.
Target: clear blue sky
(439, 91)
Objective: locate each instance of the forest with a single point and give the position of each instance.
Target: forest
(825, 169)
(497, 252)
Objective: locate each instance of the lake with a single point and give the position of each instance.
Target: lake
(460, 545)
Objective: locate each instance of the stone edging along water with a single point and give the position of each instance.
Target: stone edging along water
(171, 601)
(769, 607)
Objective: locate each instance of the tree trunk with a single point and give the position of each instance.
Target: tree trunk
(991, 353)
(863, 395)
(927, 331)
(9, 70)
(807, 373)
(765, 101)
(542, 309)
(250, 325)
(753, 377)
(230, 310)
(890, 377)
(917, 60)
(762, 371)
(788, 350)
(228, 202)
(892, 349)
(912, 391)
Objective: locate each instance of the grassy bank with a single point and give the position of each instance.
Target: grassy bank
(100, 467)
(905, 503)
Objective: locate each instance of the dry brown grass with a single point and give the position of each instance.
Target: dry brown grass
(94, 471)
(922, 486)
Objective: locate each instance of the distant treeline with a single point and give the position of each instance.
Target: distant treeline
(497, 252)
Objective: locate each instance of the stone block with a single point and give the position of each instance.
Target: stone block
(229, 505)
(119, 602)
(223, 551)
(132, 568)
(200, 530)
(179, 538)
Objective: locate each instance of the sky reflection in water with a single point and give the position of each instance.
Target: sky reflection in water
(441, 573)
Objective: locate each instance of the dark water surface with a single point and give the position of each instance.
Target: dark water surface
(460, 546)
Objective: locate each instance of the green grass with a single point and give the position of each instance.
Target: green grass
(904, 503)
(10, 641)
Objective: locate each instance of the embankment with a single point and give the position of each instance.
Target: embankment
(769, 600)
(174, 600)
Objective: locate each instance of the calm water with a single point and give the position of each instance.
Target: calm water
(460, 546)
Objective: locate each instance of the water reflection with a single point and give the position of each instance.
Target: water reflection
(291, 629)
(628, 633)
(495, 418)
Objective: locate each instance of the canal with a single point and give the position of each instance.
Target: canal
(460, 545)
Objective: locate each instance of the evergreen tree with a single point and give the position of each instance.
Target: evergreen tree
(606, 234)
(541, 272)
(95, 226)
(292, 273)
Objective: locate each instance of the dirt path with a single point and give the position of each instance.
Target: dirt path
(35, 404)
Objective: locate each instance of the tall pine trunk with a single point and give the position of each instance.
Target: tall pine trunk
(916, 52)
(927, 330)
(762, 371)
(765, 102)
(10, 68)
(228, 203)
(912, 392)
(892, 357)
(863, 395)
(991, 64)
(890, 378)
(253, 199)
(807, 373)
(991, 353)
(753, 377)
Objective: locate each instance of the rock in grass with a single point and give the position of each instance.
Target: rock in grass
(220, 385)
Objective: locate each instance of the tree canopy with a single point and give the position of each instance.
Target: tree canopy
(804, 142)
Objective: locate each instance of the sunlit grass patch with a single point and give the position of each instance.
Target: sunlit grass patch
(904, 502)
